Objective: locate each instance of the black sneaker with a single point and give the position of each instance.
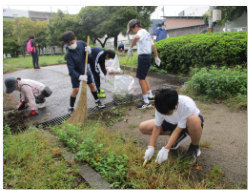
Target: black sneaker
(99, 104)
(192, 153)
(144, 105)
(70, 110)
(184, 136)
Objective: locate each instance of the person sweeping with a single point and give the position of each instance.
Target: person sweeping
(98, 56)
(32, 92)
(75, 58)
(145, 43)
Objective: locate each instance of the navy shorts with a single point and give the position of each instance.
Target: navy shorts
(75, 82)
(144, 63)
(121, 47)
(171, 127)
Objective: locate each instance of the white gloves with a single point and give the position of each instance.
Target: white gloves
(106, 78)
(83, 78)
(162, 155)
(129, 52)
(87, 48)
(149, 152)
(157, 61)
(102, 77)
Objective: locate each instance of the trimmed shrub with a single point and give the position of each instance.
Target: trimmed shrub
(178, 54)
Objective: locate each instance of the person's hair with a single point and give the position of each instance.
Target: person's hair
(166, 99)
(18, 78)
(31, 36)
(138, 24)
(111, 53)
(68, 36)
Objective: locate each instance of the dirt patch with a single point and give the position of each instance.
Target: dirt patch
(224, 136)
(9, 102)
(16, 121)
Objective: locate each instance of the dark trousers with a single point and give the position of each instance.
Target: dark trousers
(96, 76)
(35, 59)
(46, 92)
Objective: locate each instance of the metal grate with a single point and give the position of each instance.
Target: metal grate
(59, 120)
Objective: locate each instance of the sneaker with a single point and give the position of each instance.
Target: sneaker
(184, 136)
(99, 104)
(144, 105)
(42, 105)
(70, 110)
(102, 91)
(192, 153)
(100, 95)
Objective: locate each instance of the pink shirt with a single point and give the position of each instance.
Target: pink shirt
(29, 89)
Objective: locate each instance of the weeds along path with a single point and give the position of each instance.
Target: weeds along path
(223, 142)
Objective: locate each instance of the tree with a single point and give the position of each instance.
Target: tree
(10, 40)
(41, 35)
(229, 13)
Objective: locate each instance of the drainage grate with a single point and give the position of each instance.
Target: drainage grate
(59, 120)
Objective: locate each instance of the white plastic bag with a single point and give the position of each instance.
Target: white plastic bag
(123, 89)
(113, 66)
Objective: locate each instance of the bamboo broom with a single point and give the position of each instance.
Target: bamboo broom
(79, 115)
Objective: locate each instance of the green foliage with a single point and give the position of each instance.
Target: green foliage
(178, 54)
(60, 60)
(156, 69)
(6, 130)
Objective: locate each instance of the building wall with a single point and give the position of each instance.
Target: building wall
(172, 23)
(240, 22)
(39, 15)
(8, 13)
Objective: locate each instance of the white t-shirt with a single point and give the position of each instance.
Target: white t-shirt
(145, 42)
(186, 108)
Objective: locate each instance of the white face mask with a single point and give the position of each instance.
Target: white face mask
(73, 46)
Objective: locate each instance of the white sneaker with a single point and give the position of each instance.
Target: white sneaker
(42, 105)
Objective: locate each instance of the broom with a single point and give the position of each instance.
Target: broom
(79, 115)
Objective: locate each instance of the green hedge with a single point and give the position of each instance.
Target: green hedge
(178, 54)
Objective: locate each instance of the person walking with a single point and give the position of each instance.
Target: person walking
(145, 44)
(31, 92)
(32, 47)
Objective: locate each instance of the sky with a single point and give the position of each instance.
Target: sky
(168, 10)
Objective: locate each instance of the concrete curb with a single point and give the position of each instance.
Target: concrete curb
(94, 179)
(168, 77)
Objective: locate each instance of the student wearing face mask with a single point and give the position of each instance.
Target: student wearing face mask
(177, 116)
(75, 58)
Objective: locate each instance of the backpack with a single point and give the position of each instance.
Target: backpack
(29, 47)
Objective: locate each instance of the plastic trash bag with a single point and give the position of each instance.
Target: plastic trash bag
(113, 66)
(123, 89)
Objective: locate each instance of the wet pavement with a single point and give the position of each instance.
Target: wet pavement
(58, 80)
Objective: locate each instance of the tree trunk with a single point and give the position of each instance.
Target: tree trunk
(115, 41)
(43, 51)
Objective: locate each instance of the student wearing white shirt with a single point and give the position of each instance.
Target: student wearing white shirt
(177, 116)
(145, 44)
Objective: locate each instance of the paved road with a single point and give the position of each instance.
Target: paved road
(57, 78)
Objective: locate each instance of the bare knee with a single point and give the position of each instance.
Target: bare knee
(74, 92)
(194, 122)
(142, 127)
(92, 87)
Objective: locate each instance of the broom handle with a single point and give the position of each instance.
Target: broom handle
(86, 57)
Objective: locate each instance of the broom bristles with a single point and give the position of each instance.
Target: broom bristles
(79, 115)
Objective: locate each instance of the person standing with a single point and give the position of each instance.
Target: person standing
(33, 50)
(145, 44)
(75, 59)
(31, 92)
(161, 33)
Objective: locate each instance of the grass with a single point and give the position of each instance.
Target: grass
(131, 61)
(30, 161)
(133, 126)
(11, 64)
(204, 144)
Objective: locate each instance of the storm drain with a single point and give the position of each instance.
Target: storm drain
(59, 120)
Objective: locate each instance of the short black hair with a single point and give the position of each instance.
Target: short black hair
(68, 36)
(111, 53)
(166, 99)
(31, 36)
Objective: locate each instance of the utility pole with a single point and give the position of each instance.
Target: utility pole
(210, 24)
(15, 15)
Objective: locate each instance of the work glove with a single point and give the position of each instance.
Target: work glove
(162, 155)
(21, 106)
(129, 52)
(83, 78)
(33, 112)
(149, 152)
(157, 61)
(106, 78)
(88, 49)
